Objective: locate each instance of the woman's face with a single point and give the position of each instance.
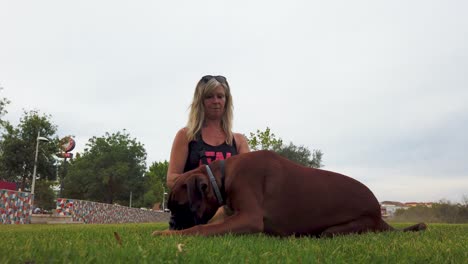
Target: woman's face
(214, 103)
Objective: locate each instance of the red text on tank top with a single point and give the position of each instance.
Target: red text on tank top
(212, 156)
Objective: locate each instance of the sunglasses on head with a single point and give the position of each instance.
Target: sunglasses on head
(219, 78)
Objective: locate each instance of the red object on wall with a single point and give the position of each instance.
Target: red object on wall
(8, 185)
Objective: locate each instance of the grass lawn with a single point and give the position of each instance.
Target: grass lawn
(441, 243)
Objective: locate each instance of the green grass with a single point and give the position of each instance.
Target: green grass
(441, 243)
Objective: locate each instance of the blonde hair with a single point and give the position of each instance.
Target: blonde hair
(197, 109)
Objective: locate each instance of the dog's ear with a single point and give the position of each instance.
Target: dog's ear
(196, 189)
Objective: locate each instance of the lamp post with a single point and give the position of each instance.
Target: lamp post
(163, 201)
(164, 196)
(39, 138)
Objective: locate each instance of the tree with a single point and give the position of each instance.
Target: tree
(44, 196)
(444, 211)
(155, 183)
(301, 155)
(264, 140)
(267, 141)
(112, 167)
(18, 148)
(3, 103)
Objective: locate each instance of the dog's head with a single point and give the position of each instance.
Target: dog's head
(191, 201)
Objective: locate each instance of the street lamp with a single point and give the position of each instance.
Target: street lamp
(38, 139)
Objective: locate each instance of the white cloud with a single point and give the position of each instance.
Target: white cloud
(405, 185)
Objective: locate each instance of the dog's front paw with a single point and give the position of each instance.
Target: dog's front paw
(163, 233)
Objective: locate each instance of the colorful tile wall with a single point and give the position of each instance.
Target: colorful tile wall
(100, 213)
(15, 207)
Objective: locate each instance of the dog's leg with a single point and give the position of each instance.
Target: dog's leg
(219, 216)
(416, 227)
(239, 223)
(357, 226)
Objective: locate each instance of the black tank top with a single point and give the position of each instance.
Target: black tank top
(202, 153)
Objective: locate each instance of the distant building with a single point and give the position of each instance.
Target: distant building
(414, 204)
(388, 208)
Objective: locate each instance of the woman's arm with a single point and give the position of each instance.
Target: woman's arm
(178, 157)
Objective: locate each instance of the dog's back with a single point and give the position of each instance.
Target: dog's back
(302, 200)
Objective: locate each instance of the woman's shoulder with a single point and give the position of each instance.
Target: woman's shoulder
(238, 136)
(241, 142)
(183, 130)
(182, 134)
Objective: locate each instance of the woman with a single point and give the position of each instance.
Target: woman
(208, 135)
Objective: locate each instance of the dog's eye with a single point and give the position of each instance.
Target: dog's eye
(203, 187)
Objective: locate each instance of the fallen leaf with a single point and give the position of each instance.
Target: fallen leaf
(117, 237)
(179, 247)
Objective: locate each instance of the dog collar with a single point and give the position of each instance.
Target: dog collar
(214, 184)
(223, 190)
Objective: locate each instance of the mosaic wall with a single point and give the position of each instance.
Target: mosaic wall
(15, 207)
(100, 213)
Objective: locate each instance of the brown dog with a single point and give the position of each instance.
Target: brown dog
(268, 193)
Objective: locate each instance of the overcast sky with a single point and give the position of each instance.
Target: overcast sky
(380, 87)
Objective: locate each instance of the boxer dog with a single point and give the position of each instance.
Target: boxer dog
(267, 193)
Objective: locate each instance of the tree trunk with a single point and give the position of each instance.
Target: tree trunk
(23, 182)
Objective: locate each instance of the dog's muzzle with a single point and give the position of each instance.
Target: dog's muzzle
(183, 218)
